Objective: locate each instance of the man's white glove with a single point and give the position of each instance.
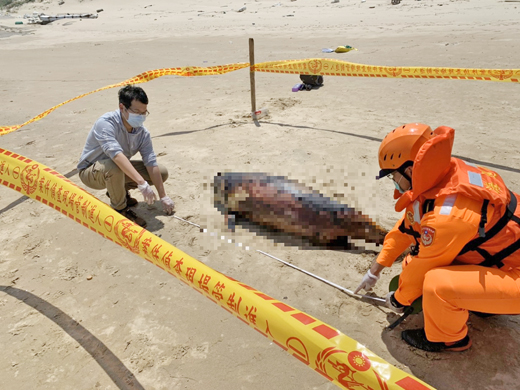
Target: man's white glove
(168, 205)
(393, 304)
(368, 281)
(147, 191)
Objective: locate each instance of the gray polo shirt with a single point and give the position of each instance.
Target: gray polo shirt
(109, 137)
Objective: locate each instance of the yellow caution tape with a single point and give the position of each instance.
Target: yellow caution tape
(314, 66)
(188, 71)
(326, 67)
(323, 348)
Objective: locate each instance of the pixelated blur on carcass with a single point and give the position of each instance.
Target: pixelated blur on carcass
(285, 206)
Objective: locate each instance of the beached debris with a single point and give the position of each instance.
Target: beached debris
(290, 212)
(42, 18)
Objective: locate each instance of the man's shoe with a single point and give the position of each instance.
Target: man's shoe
(132, 216)
(130, 202)
(417, 338)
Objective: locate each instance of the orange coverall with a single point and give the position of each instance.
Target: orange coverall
(451, 284)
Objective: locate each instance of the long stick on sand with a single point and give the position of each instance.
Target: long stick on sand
(345, 290)
(252, 76)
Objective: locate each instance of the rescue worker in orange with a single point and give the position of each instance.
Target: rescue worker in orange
(462, 224)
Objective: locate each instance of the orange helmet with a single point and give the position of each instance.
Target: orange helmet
(401, 145)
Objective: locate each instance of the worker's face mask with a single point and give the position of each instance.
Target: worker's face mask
(396, 184)
(135, 120)
(398, 188)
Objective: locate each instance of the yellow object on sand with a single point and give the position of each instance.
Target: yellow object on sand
(344, 49)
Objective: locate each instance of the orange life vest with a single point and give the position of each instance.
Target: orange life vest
(436, 173)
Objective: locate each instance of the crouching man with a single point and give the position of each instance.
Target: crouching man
(105, 161)
(463, 224)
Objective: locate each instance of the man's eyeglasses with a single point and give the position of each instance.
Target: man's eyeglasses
(138, 113)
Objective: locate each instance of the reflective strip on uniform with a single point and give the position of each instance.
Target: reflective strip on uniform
(470, 164)
(416, 214)
(475, 179)
(447, 206)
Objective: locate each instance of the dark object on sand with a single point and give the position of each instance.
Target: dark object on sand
(43, 19)
(309, 82)
(302, 87)
(276, 204)
(314, 80)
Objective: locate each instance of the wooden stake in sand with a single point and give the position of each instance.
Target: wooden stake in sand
(252, 76)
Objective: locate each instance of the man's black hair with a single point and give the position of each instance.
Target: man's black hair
(129, 93)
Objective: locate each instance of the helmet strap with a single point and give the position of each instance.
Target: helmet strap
(402, 170)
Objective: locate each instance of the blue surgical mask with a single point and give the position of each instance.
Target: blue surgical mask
(135, 120)
(398, 188)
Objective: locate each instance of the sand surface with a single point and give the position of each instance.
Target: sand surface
(133, 326)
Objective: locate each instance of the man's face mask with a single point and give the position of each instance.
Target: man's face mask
(396, 183)
(398, 188)
(134, 118)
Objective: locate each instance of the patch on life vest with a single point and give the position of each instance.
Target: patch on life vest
(493, 187)
(427, 236)
(409, 217)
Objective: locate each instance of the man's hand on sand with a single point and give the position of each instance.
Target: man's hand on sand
(147, 191)
(168, 205)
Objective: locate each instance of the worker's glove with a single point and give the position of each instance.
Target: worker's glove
(147, 191)
(393, 304)
(368, 281)
(168, 205)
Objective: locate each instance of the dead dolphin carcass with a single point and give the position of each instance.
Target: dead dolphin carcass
(287, 206)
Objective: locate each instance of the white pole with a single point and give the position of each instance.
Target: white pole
(345, 290)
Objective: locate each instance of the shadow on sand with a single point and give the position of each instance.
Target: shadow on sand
(110, 363)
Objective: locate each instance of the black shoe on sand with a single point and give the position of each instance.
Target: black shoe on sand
(417, 338)
(132, 216)
(130, 202)
(482, 315)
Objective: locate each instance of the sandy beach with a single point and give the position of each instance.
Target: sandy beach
(79, 312)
